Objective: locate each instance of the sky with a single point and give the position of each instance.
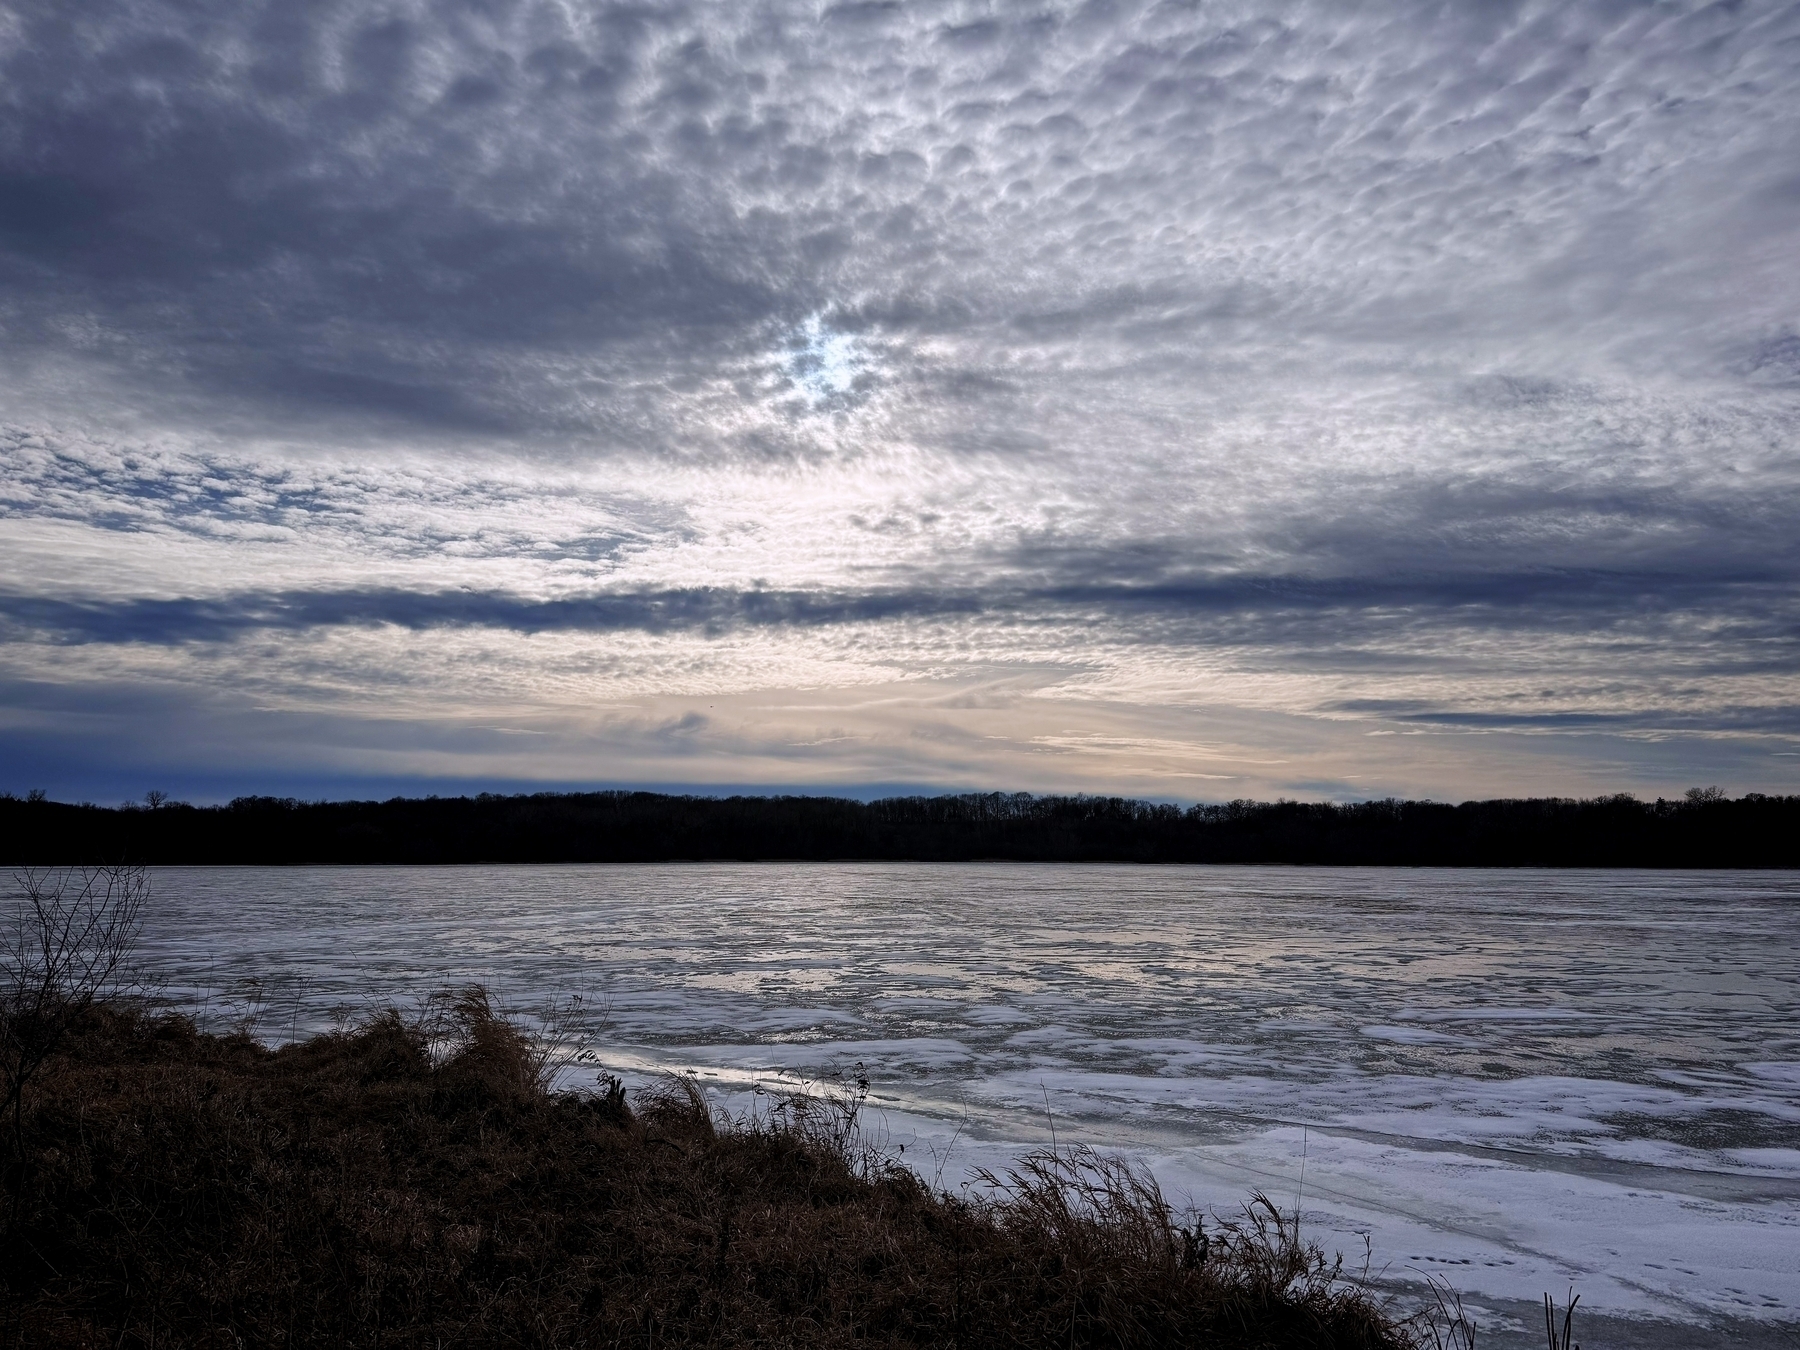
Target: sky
(1192, 401)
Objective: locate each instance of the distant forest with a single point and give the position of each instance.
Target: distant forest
(1704, 829)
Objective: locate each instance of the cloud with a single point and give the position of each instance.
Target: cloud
(705, 612)
(510, 221)
(1537, 601)
(1341, 362)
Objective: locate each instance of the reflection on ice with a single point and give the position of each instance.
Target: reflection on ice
(1517, 1080)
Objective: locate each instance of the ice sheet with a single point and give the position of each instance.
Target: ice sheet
(1517, 1080)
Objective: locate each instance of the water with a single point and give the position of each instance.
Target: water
(1515, 1080)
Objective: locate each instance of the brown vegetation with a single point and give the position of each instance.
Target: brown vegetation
(414, 1183)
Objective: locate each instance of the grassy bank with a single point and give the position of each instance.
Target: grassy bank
(414, 1183)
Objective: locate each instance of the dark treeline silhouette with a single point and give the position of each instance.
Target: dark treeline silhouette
(1704, 829)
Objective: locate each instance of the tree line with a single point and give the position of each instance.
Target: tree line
(1703, 829)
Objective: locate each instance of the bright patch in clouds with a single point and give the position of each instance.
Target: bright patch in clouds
(822, 363)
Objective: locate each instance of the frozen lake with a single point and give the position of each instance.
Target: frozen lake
(1515, 1080)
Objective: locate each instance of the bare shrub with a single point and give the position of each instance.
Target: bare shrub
(561, 1029)
(65, 946)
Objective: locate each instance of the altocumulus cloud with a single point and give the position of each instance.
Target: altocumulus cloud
(1193, 400)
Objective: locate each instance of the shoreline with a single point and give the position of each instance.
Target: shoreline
(416, 1178)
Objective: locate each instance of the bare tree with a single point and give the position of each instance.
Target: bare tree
(65, 946)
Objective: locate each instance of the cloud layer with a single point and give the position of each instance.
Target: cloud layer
(1201, 393)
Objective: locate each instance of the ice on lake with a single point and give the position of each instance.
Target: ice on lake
(1518, 1081)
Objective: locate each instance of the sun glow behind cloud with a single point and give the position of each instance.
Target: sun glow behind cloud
(822, 363)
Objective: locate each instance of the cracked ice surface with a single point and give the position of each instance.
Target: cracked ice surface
(1518, 1080)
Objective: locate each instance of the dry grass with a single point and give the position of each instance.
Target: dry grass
(414, 1183)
